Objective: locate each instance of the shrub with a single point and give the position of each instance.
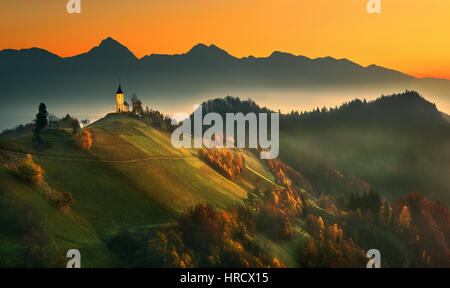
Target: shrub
(84, 140)
(30, 171)
(66, 201)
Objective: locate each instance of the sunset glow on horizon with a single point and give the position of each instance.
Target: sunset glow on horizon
(411, 36)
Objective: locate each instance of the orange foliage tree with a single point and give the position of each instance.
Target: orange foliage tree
(84, 140)
(224, 160)
(30, 171)
(404, 218)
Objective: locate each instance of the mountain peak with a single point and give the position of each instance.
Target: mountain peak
(280, 54)
(199, 46)
(110, 42)
(109, 50)
(211, 50)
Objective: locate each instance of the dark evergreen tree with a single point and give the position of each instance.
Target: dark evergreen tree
(41, 122)
(41, 118)
(75, 126)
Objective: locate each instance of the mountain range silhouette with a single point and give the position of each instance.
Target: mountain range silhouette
(112, 54)
(30, 76)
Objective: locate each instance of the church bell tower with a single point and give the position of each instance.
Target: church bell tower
(119, 100)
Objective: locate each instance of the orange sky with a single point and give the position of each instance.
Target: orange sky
(412, 36)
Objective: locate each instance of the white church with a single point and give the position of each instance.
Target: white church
(121, 105)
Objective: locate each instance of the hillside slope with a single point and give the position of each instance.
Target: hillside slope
(132, 178)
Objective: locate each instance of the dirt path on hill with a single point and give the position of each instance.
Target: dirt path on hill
(261, 176)
(65, 158)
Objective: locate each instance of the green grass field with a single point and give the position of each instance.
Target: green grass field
(20, 203)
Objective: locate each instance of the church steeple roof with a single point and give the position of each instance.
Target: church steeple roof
(119, 91)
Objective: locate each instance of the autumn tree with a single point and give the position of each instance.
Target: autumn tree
(315, 226)
(84, 140)
(404, 218)
(30, 171)
(224, 160)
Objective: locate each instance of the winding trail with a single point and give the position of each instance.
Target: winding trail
(65, 158)
(261, 176)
